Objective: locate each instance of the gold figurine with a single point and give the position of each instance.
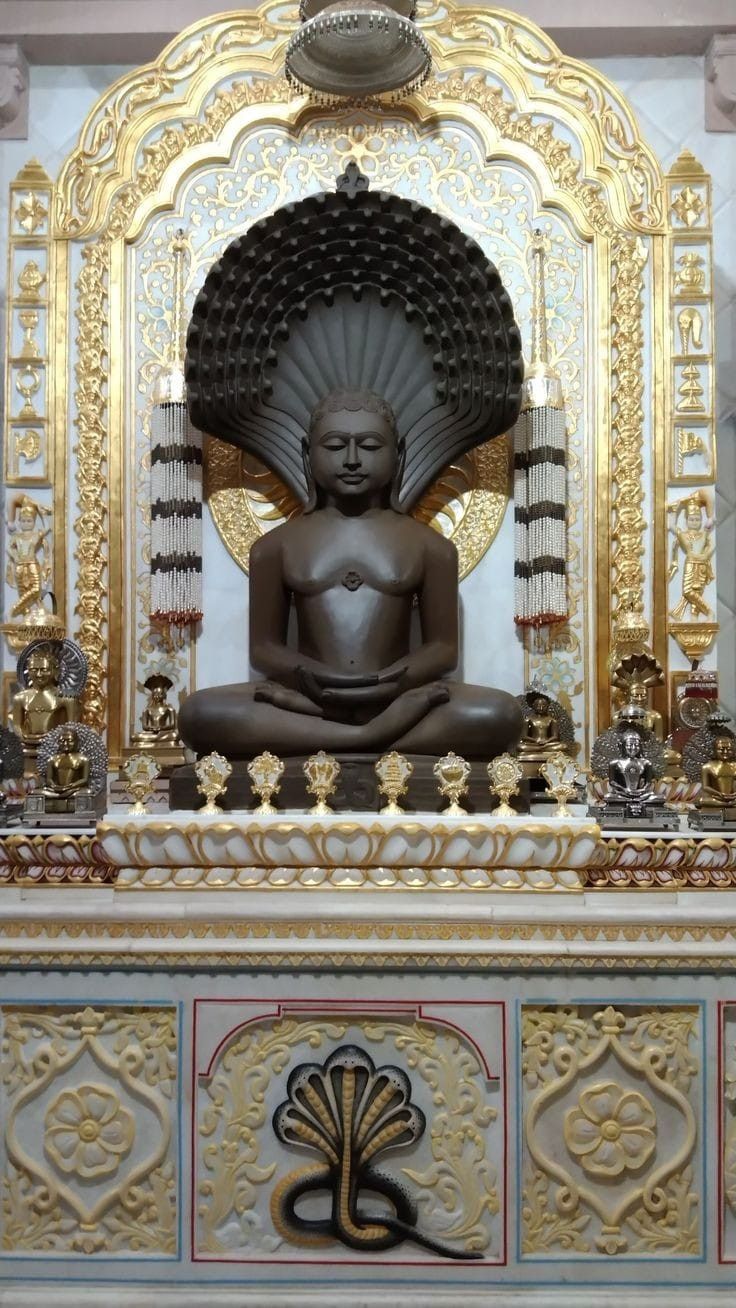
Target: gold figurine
(718, 776)
(67, 770)
(322, 772)
(158, 717)
(265, 772)
(29, 558)
(561, 774)
(453, 773)
(43, 702)
(393, 772)
(212, 772)
(504, 774)
(141, 771)
(696, 541)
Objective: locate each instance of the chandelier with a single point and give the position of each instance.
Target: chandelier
(357, 50)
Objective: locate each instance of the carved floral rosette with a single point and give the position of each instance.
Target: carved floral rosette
(611, 1149)
(89, 1129)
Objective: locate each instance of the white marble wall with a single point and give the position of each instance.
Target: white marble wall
(667, 95)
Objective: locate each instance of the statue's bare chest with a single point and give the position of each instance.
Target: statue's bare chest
(351, 557)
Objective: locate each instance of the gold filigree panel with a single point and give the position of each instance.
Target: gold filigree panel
(453, 1173)
(611, 1153)
(89, 1161)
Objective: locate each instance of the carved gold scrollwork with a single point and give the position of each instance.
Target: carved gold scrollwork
(627, 442)
(616, 1086)
(92, 475)
(86, 1182)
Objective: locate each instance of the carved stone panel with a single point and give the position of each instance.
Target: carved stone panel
(352, 1133)
(611, 1153)
(90, 1130)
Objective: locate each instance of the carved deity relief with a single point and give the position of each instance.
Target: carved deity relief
(29, 553)
(694, 538)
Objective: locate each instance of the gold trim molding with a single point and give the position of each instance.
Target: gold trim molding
(685, 946)
(600, 862)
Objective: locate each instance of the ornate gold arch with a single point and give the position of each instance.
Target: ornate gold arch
(561, 119)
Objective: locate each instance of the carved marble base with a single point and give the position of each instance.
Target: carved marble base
(84, 809)
(650, 817)
(11, 812)
(357, 789)
(713, 819)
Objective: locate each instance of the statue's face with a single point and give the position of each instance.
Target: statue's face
(632, 744)
(68, 740)
(352, 453)
(27, 519)
(724, 748)
(694, 517)
(539, 704)
(41, 671)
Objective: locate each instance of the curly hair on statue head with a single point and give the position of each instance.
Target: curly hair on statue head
(352, 401)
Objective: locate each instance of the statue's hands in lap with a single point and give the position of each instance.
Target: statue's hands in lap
(270, 692)
(344, 691)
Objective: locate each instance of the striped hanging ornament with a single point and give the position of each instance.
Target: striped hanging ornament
(540, 477)
(176, 482)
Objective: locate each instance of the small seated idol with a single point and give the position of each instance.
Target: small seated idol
(357, 383)
(630, 777)
(547, 728)
(718, 776)
(67, 772)
(158, 717)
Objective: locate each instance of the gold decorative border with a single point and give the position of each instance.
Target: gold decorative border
(626, 461)
(630, 947)
(686, 862)
(113, 144)
(689, 227)
(93, 474)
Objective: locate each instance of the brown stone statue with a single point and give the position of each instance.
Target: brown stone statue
(357, 344)
(353, 567)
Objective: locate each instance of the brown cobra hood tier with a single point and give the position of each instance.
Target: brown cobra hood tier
(354, 289)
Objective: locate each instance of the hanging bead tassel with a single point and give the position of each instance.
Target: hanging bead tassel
(176, 485)
(540, 479)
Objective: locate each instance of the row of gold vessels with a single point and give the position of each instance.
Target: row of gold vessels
(393, 771)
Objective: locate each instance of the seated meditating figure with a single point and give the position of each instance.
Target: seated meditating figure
(718, 777)
(67, 771)
(357, 344)
(353, 567)
(630, 777)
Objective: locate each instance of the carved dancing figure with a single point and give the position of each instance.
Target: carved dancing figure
(695, 539)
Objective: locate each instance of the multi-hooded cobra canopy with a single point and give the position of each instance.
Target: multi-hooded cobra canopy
(354, 289)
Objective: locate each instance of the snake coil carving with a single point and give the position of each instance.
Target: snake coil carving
(349, 1111)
